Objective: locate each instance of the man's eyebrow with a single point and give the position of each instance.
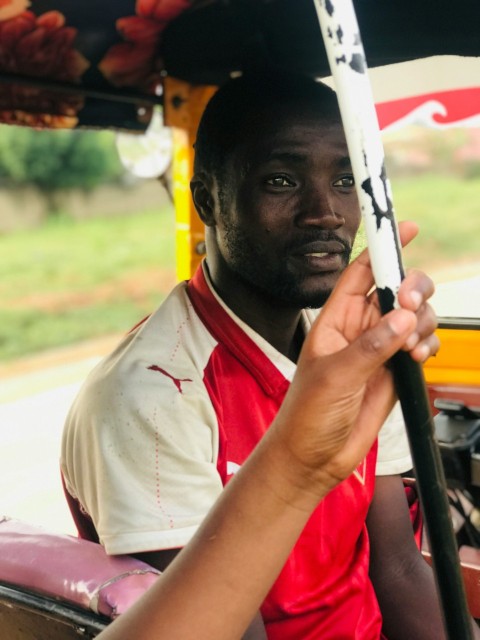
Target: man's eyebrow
(344, 162)
(287, 157)
(293, 156)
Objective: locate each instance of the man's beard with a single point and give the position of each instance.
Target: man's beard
(276, 283)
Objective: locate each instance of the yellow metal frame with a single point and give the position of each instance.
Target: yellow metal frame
(458, 361)
(184, 105)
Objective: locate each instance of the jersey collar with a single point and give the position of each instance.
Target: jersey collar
(272, 369)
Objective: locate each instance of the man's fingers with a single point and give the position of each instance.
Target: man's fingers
(424, 349)
(415, 289)
(413, 294)
(377, 345)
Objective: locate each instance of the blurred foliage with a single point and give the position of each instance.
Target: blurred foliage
(69, 281)
(415, 150)
(54, 160)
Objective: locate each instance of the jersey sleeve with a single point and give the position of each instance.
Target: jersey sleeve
(139, 454)
(393, 448)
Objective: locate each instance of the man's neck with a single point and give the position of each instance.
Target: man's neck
(279, 326)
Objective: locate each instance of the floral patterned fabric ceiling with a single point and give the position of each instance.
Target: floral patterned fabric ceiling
(66, 63)
(99, 63)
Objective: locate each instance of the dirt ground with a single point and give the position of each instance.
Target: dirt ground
(136, 287)
(58, 357)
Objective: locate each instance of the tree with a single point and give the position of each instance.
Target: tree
(57, 159)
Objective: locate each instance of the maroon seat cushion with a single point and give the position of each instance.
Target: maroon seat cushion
(71, 569)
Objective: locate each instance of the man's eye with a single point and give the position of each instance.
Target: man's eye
(345, 181)
(280, 181)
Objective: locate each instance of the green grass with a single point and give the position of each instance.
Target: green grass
(65, 254)
(69, 281)
(29, 331)
(446, 208)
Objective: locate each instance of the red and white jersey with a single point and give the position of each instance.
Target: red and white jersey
(163, 422)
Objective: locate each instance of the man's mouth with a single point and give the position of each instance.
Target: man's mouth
(320, 257)
(320, 248)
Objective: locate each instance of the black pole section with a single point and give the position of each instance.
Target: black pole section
(431, 485)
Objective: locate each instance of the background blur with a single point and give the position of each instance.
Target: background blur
(87, 250)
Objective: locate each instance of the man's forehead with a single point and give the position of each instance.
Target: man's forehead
(292, 139)
(284, 120)
(292, 113)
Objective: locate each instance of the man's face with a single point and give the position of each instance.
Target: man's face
(288, 209)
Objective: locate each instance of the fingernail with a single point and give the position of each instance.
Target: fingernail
(412, 340)
(416, 298)
(423, 352)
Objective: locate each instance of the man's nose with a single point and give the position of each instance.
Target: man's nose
(318, 208)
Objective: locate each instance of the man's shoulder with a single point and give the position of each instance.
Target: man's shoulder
(157, 367)
(171, 341)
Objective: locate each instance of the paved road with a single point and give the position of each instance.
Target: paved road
(33, 407)
(460, 298)
(30, 484)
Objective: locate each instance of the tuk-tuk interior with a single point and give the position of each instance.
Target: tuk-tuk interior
(119, 63)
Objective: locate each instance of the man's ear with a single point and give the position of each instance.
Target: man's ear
(202, 193)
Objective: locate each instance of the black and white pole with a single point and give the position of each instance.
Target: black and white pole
(348, 66)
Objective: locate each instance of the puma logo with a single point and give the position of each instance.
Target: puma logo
(176, 381)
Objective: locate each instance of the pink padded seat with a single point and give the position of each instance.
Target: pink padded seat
(71, 569)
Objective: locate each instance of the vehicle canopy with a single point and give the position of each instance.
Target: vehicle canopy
(64, 63)
(107, 64)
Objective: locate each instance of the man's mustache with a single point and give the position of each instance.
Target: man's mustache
(308, 237)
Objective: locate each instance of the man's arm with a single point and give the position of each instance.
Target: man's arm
(403, 581)
(161, 559)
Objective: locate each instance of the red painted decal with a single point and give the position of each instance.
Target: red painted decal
(439, 109)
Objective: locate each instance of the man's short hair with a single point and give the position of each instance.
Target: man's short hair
(242, 103)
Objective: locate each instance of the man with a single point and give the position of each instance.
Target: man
(167, 419)
(337, 402)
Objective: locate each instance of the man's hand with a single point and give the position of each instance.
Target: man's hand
(342, 393)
